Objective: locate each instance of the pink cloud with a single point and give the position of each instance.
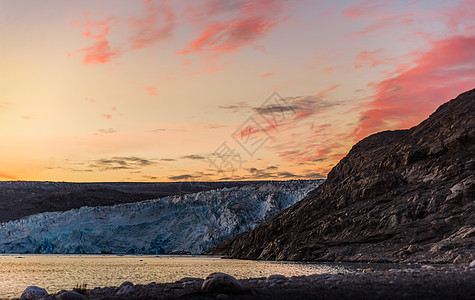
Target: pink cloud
(101, 28)
(267, 74)
(99, 53)
(371, 58)
(156, 24)
(461, 17)
(4, 105)
(152, 91)
(106, 116)
(186, 62)
(114, 108)
(325, 91)
(90, 100)
(392, 21)
(320, 147)
(229, 36)
(245, 22)
(261, 48)
(382, 14)
(304, 131)
(407, 98)
(27, 117)
(368, 7)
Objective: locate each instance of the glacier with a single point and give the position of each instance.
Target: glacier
(182, 223)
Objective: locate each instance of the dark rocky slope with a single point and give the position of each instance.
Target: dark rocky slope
(406, 195)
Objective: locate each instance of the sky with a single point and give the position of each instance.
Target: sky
(183, 90)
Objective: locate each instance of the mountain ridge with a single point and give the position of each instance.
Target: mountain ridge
(397, 196)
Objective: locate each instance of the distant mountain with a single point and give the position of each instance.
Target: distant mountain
(23, 198)
(398, 196)
(188, 223)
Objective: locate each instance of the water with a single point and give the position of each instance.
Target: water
(58, 272)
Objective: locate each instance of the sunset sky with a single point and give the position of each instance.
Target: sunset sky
(134, 90)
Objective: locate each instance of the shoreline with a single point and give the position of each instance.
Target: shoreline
(419, 282)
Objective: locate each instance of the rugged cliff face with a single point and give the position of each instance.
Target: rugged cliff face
(406, 195)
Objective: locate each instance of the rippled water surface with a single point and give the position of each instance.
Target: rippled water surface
(58, 272)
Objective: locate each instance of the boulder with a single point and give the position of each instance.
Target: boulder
(125, 290)
(125, 283)
(221, 283)
(70, 295)
(33, 293)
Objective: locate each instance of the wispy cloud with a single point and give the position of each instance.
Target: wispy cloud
(193, 157)
(370, 58)
(382, 14)
(151, 90)
(154, 24)
(90, 100)
(267, 74)
(368, 7)
(261, 48)
(229, 26)
(461, 16)
(121, 163)
(97, 31)
(301, 107)
(197, 176)
(392, 21)
(4, 106)
(106, 131)
(181, 177)
(236, 107)
(407, 98)
(167, 159)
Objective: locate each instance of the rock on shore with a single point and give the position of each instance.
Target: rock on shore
(398, 196)
(424, 282)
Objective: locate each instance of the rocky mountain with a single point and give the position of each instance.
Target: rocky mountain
(398, 196)
(187, 223)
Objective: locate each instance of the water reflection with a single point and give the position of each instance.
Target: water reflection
(58, 272)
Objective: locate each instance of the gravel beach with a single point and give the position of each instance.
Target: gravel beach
(424, 282)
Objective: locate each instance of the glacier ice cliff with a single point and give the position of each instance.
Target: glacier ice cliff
(192, 222)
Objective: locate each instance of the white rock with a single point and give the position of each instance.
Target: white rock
(125, 290)
(472, 264)
(33, 293)
(126, 283)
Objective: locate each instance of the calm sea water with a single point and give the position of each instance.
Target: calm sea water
(58, 272)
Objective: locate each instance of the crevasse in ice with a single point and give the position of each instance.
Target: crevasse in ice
(192, 222)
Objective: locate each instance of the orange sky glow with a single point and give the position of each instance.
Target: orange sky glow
(211, 90)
